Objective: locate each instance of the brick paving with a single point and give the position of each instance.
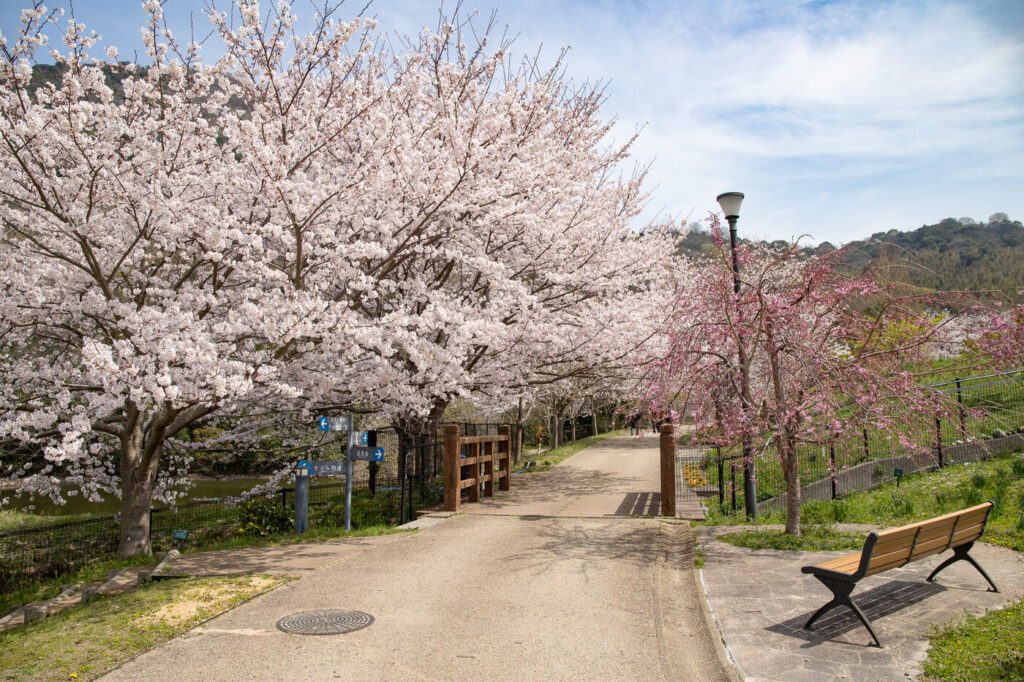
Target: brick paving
(761, 601)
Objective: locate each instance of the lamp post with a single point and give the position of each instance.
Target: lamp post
(730, 203)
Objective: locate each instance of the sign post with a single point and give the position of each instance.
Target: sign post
(898, 473)
(362, 446)
(302, 471)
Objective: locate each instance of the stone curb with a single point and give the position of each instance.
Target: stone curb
(162, 566)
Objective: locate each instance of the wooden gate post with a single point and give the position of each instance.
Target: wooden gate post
(505, 458)
(452, 468)
(668, 471)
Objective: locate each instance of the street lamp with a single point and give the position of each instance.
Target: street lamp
(730, 203)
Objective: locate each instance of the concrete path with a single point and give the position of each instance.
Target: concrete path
(554, 582)
(761, 601)
(614, 477)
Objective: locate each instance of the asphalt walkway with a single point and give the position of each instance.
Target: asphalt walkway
(564, 578)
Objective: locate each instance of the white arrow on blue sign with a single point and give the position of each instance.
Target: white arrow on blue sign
(343, 423)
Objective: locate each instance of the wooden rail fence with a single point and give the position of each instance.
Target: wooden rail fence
(483, 450)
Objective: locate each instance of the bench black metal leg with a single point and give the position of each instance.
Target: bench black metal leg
(841, 597)
(961, 554)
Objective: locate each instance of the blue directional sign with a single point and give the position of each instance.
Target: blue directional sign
(366, 454)
(342, 423)
(324, 468)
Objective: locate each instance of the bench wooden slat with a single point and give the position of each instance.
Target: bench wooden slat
(844, 564)
(967, 516)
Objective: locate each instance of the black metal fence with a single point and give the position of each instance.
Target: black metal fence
(988, 420)
(412, 475)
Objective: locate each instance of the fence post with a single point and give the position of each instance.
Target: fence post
(732, 468)
(668, 471)
(505, 458)
(832, 468)
(452, 469)
(938, 439)
(488, 456)
(963, 420)
(867, 453)
(474, 473)
(721, 478)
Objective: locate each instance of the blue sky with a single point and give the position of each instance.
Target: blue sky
(837, 119)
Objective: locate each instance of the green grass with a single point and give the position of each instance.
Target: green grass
(814, 539)
(990, 647)
(551, 458)
(922, 496)
(39, 590)
(11, 519)
(85, 641)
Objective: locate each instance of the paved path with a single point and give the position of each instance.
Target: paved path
(553, 582)
(761, 601)
(614, 477)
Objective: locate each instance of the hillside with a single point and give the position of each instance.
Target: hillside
(952, 255)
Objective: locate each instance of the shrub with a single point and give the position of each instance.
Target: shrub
(262, 517)
(902, 506)
(970, 496)
(978, 480)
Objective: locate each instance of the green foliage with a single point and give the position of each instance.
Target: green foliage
(813, 539)
(262, 517)
(978, 480)
(971, 496)
(824, 512)
(1018, 466)
(948, 256)
(990, 647)
(922, 496)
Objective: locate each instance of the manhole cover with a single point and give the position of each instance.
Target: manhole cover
(326, 622)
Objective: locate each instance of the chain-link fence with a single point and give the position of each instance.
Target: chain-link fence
(988, 420)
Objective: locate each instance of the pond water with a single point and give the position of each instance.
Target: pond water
(111, 505)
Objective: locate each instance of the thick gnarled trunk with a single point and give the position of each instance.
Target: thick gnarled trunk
(140, 461)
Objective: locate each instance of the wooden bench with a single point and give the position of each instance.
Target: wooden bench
(897, 547)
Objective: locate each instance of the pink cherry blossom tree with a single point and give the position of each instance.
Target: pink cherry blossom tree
(821, 354)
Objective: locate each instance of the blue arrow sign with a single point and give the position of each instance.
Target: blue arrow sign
(324, 424)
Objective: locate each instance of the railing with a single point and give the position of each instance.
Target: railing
(464, 471)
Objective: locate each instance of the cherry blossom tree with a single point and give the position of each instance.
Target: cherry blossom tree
(309, 222)
(156, 263)
(823, 354)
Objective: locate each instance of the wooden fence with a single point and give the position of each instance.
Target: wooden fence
(482, 450)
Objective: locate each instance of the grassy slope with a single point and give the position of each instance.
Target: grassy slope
(86, 641)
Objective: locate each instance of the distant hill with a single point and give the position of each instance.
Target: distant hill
(952, 255)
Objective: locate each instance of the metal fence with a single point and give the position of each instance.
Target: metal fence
(412, 476)
(988, 420)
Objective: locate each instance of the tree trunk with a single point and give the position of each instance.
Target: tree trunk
(593, 423)
(140, 462)
(517, 446)
(791, 469)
